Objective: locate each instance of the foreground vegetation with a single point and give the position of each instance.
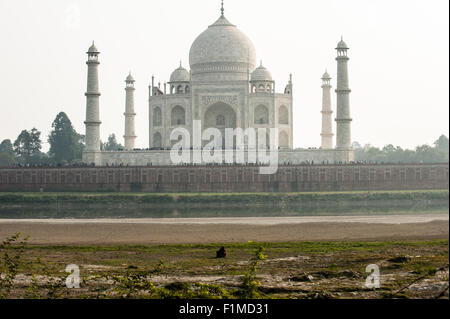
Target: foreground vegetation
(228, 198)
(409, 269)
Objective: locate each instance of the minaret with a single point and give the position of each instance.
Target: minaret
(92, 103)
(327, 125)
(343, 119)
(130, 135)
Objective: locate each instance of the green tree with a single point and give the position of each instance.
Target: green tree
(442, 148)
(6, 159)
(28, 146)
(442, 143)
(112, 144)
(6, 153)
(426, 154)
(66, 145)
(391, 154)
(6, 147)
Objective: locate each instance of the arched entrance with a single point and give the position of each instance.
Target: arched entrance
(221, 116)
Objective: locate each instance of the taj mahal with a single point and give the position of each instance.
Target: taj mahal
(224, 88)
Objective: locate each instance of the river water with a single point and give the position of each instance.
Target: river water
(130, 210)
(264, 221)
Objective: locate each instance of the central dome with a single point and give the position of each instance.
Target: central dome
(222, 50)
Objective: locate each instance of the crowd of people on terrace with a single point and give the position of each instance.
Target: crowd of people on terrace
(81, 165)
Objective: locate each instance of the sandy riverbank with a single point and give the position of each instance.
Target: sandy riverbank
(226, 230)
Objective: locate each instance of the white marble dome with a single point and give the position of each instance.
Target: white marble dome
(180, 75)
(342, 45)
(93, 49)
(129, 78)
(261, 74)
(326, 76)
(222, 48)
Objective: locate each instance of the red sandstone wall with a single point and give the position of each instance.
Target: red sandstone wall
(299, 178)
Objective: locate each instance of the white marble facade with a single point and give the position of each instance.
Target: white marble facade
(224, 88)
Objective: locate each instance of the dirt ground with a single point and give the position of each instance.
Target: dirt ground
(95, 233)
(408, 269)
(162, 260)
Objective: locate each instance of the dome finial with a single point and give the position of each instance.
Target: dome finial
(222, 10)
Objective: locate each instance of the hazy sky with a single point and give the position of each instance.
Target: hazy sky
(399, 71)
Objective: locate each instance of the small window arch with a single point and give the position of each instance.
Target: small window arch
(261, 115)
(178, 116)
(283, 115)
(261, 87)
(283, 140)
(157, 117)
(269, 88)
(157, 140)
(187, 89)
(220, 120)
(180, 89)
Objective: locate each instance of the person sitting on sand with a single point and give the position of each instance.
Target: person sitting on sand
(221, 253)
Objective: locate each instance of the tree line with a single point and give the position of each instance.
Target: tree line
(66, 146)
(438, 153)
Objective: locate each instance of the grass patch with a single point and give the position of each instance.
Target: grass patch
(305, 247)
(227, 198)
(142, 271)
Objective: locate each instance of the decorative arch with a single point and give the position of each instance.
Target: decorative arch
(157, 140)
(157, 116)
(261, 115)
(283, 115)
(219, 113)
(220, 108)
(178, 116)
(179, 89)
(261, 88)
(187, 89)
(283, 140)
